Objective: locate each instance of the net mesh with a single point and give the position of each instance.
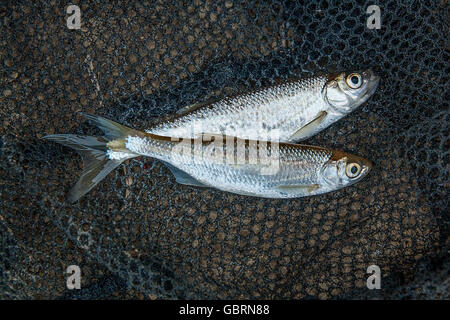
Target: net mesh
(138, 234)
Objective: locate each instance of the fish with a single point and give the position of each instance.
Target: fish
(267, 169)
(290, 111)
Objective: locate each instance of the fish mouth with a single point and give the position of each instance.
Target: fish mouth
(372, 83)
(366, 167)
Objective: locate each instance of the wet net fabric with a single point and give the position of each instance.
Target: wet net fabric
(138, 234)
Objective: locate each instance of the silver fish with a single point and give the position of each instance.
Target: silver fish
(292, 111)
(246, 167)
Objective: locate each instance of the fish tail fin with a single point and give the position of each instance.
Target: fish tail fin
(95, 151)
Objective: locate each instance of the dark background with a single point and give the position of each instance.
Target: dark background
(138, 234)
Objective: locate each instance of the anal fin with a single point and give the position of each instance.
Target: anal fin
(307, 189)
(182, 177)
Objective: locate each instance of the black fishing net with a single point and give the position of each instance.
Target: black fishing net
(138, 234)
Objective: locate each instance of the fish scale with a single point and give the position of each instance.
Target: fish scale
(284, 107)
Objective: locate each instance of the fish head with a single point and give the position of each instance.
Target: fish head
(344, 169)
(348, 90)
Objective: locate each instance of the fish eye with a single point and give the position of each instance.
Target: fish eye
(353, 170)
(354, 80)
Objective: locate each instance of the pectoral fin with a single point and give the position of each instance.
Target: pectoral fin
(297, 189)
(308, 128)
(182, 177)
(192, 107)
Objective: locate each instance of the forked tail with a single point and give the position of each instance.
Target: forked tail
(98, 157)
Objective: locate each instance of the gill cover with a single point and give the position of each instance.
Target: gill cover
(347, 91)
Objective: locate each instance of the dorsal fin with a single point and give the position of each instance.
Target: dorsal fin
(192, 107)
